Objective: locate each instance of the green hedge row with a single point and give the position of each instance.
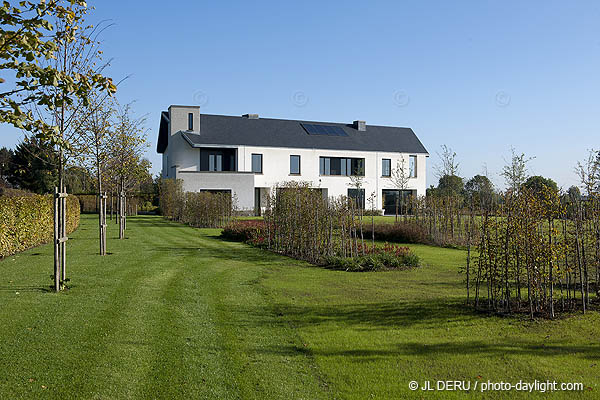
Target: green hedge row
(28, 221)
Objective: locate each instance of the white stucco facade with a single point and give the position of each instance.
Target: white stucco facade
(182, 161)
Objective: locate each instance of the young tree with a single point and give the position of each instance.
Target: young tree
(399, 177)
(448, 165)
(357, 182)
(589, 172)
(515, 173)
(94, 136)
(126, 166)
(372, 199)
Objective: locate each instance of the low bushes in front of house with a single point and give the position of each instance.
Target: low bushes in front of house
(375, 259)
(247, 231)
(367, 258)
(400, 232)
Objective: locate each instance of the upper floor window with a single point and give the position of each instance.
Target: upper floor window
(412, 166)
(190, 121)
(341, 166)
(386, 167)
(215, 162)
(257, 163)
(295, 165)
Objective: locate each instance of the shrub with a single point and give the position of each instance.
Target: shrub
(28, 221)
(402, 232)
(387, 257)
(245, 231)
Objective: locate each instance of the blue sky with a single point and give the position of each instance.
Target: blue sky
(479, 76)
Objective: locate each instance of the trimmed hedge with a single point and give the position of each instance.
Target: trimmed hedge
(28, 221)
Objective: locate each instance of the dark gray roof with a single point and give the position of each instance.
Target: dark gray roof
(230, 130)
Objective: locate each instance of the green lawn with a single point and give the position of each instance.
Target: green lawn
(174, 312)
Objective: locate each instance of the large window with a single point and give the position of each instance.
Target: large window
(412, 166)
(341, 166)
(358, 196)
(190, 121)
(386, 167)
(295, 165)
(394, 200)
(257, 163)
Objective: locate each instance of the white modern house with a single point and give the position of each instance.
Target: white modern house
(248, 156)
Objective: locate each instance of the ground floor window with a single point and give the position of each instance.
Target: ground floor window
(257, 202)
(358, 196)
(392, 198)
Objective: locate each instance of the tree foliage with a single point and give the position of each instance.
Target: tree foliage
(33, 42)
(6, 156)
(450, 185)
(125, 164)
(538, 185)
(33, 166)
(480, 190)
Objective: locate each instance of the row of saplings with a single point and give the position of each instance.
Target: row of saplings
(535, 254)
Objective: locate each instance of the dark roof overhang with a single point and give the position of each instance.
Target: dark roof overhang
(163, 132)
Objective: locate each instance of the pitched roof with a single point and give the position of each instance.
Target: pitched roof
(230, 130)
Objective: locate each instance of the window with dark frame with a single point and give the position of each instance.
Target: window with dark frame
(215, 162)
(294, 165)
(412, 166)
(386, 167)
(342, 166)
(257, 163)
(190, 121)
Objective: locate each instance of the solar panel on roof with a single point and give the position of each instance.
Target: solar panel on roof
(329, 130)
